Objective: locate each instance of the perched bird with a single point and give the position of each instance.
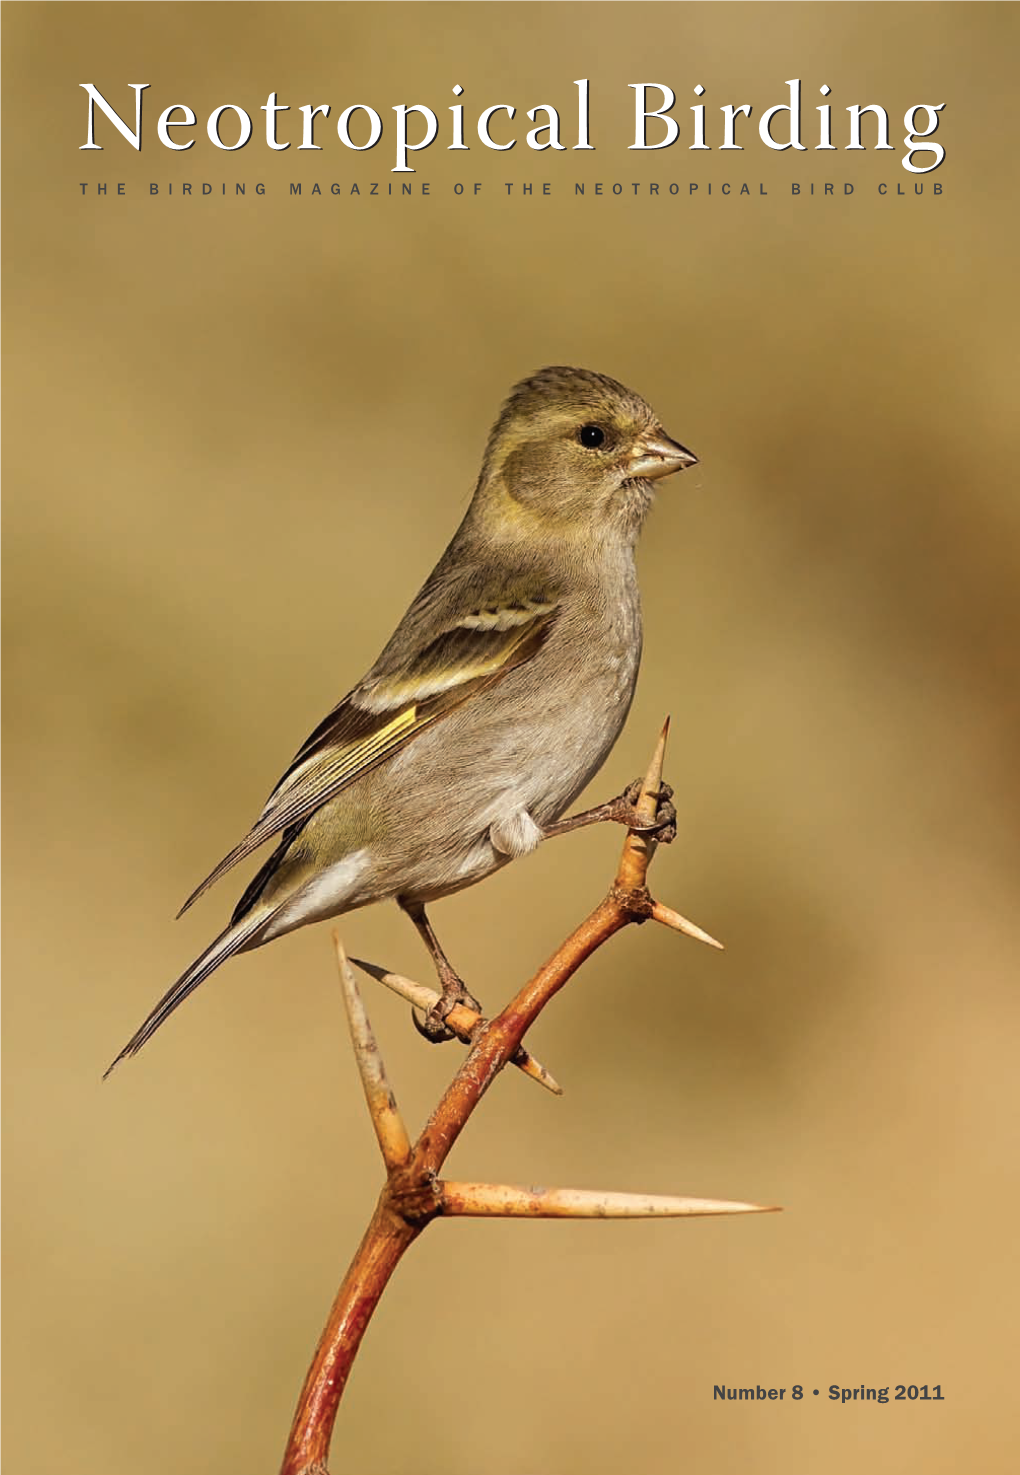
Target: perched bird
(495, 701)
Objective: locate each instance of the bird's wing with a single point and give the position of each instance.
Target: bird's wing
(404, 693)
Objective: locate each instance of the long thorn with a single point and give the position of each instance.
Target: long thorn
(507, 1201)
(638, 848)
(390, 1131)
(648, 800)
(462, 1020)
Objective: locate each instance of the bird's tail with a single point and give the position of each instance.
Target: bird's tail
(236, 936)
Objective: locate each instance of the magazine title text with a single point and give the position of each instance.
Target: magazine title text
(784, 125)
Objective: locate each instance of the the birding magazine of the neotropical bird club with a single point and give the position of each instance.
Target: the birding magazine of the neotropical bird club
(409, 408)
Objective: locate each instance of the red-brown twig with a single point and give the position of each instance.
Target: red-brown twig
(413, 1193)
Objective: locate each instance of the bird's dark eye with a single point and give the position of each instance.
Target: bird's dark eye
(591, 436)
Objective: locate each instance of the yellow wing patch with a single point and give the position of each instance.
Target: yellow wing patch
(344, 763)
(360, 732)
(309, 784)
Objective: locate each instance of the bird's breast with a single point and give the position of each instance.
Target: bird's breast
(577, 714)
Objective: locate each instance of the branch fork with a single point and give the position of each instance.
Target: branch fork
(414, 1193)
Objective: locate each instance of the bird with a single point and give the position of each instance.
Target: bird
(494, 703)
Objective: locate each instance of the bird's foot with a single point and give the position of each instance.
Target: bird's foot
(624, 811)
(433, 1026)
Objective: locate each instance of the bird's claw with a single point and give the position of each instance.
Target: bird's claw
(662, 828)
(432, 1026)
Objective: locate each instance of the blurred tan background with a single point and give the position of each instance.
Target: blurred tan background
(238, 434)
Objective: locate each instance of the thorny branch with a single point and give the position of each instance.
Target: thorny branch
(413, 1194)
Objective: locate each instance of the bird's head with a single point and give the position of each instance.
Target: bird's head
(576, 450)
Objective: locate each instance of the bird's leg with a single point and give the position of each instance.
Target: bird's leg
(453, 989)
(624, 812)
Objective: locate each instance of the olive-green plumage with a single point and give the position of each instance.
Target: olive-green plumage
(498, 696)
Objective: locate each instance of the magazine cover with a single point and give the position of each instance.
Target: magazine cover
(408, 409)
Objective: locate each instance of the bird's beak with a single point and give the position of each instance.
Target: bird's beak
(657, 455)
